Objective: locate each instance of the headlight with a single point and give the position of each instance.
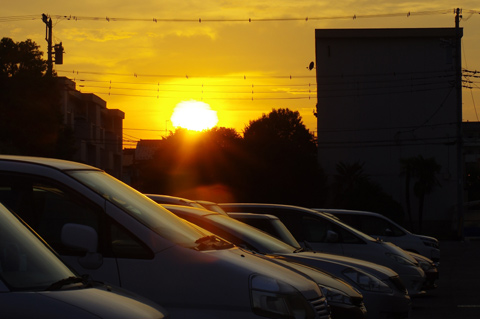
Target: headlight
(335, 296)
(276, 299)
(424, 263)
(366, 281)
(400, 259)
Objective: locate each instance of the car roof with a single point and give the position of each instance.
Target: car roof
(51, 162)
(253, 215)
(201, 212)
(167, 199)
(346, 211)
(293, 207)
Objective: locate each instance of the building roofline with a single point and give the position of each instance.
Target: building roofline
(390, 33)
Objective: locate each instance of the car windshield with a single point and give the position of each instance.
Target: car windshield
(26, 263)
(262, 241)
(339, 222)
(139, 207)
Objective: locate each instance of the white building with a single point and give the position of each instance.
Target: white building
(391, 94)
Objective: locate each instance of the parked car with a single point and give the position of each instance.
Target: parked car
(106, 229)
(383, 292)
(379, 226)
(432, 274)
(34, 283)
(174, 200)
(274, 226)
(321, 232)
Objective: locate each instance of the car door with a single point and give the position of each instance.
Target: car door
(47, 206)
(310, 231)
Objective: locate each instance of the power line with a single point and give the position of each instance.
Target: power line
(247, 20)
(186, 76)
(21, 18)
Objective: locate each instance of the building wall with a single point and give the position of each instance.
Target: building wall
(98, 130)
(389, 94)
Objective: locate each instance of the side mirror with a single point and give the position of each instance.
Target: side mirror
(332, 237)
(85, 238)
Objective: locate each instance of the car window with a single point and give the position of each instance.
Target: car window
(376, 226)
(262, 224)
(316, 229)
(140, 207)
(47, 206)
(25, 262)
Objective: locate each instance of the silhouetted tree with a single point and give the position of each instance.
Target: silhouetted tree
(282, 165)
(423, 171)
(187, 162)
(30, 116)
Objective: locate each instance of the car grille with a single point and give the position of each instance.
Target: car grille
(397, 282)
(321, 307)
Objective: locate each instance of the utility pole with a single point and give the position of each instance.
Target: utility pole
(48, 37)
(458, 86)
(50, 49)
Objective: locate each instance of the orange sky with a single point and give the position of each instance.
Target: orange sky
(241, 69)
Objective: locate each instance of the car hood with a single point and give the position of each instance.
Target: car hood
(83, 303)
(318, 275)
(397, 250)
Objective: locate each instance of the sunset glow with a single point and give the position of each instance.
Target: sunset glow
(244, 59)
(194, 115)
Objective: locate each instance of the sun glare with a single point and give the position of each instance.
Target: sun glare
(194, 115)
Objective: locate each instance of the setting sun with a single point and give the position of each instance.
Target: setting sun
(194, 115)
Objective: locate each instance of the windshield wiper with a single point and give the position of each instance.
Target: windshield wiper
(65, 282)
(299, 250)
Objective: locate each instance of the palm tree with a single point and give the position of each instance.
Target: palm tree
(423, 171)
(347, 181)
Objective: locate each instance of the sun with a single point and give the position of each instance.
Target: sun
(194, 115)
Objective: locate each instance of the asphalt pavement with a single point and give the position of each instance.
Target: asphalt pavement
(458, 292)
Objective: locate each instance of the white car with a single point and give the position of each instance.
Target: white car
(321, 232)
(379, 226)
(34, 283)
(104, 228)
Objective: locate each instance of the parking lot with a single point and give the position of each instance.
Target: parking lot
(458, 294)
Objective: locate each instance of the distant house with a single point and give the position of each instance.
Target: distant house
(390, 94)
(98, 130)
(135, 158)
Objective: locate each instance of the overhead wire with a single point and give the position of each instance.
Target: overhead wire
(249, 20)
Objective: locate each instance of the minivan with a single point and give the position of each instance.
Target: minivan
(108, 230)
(321, 232)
